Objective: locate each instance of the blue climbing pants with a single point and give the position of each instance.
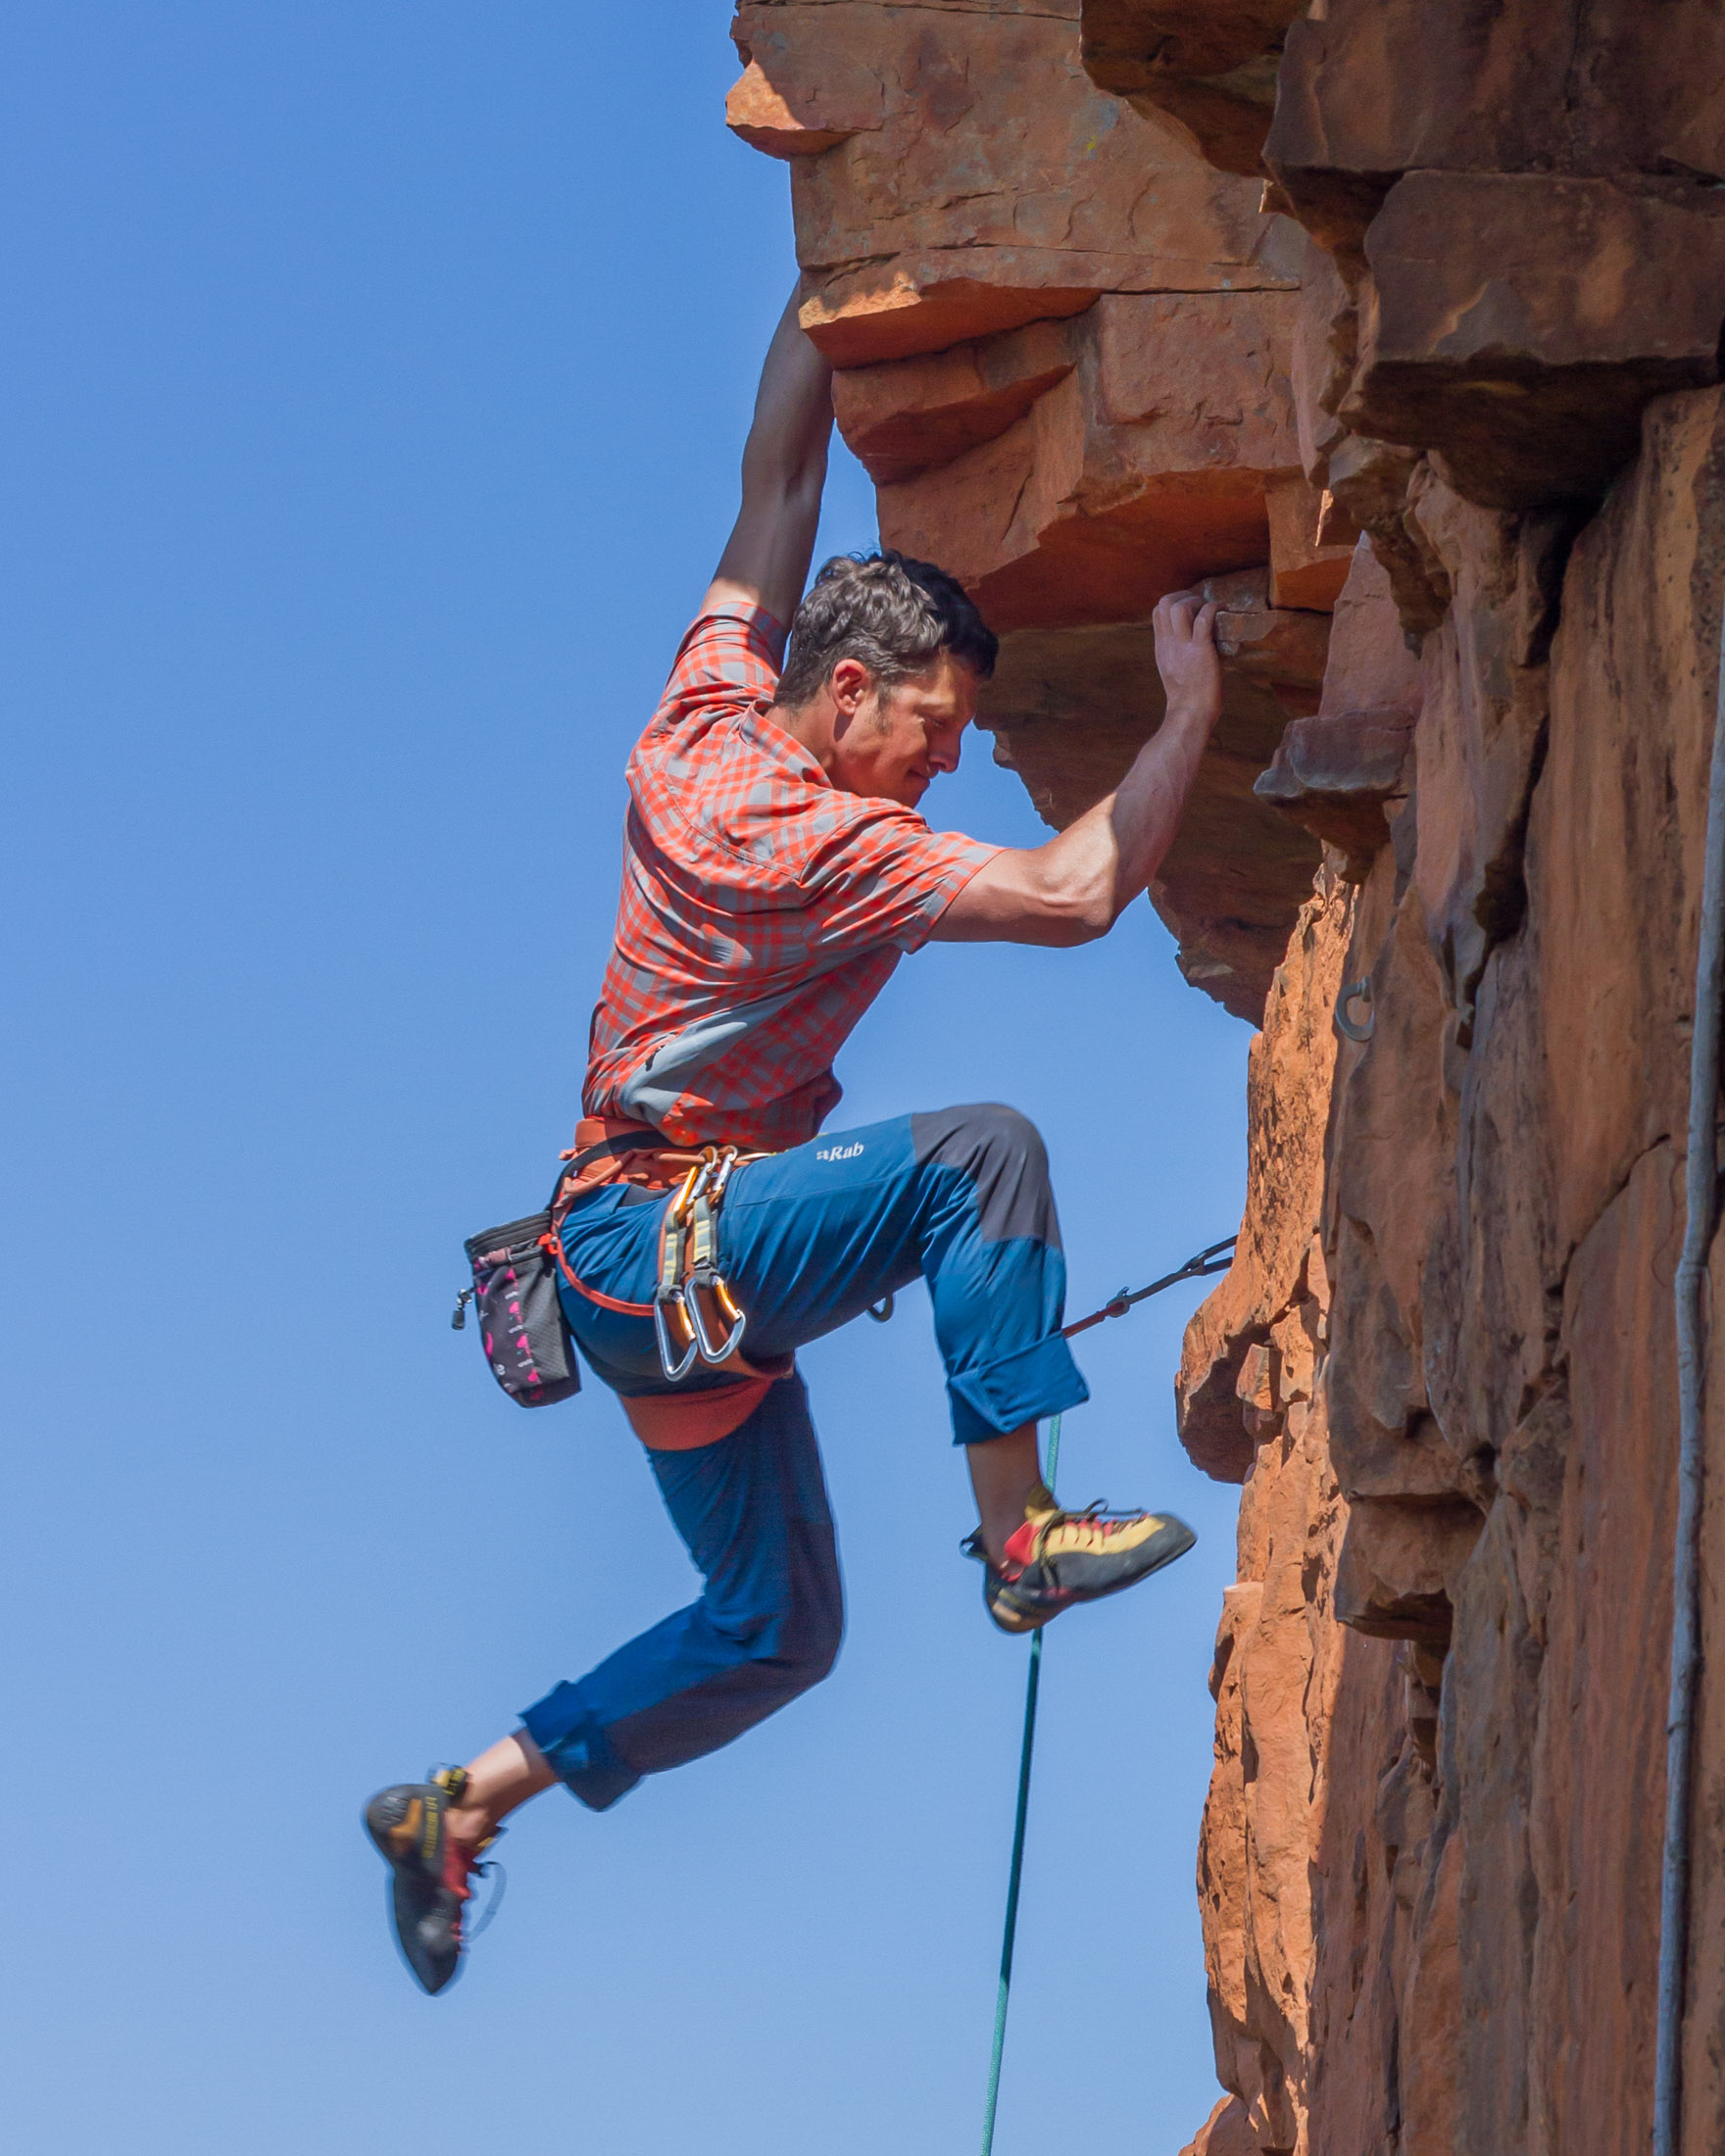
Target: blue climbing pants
(807, 1239)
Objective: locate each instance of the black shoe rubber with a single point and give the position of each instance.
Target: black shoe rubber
(1040, 1591)
(408, 1826)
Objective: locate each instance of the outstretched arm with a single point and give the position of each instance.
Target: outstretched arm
(765, 561)
(1075, 887)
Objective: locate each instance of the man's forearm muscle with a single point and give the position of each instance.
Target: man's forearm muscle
(1075, 887)
(765, 561)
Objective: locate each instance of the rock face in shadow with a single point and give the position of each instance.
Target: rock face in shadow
(1228, 2132)
(1209, 65)
(1443, 438)
(1069, 709)
(1340, 773)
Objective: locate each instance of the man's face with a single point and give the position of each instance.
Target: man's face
(890, 741)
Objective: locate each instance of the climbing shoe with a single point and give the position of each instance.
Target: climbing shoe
(428, 1888)
(1057, 1558)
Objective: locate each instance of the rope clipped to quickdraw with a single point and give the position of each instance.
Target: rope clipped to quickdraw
(1215, 1259)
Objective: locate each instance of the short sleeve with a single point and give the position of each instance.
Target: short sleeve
(876, 874)
(728, 659)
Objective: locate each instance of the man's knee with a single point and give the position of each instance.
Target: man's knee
(791, 1654)
(1001, 1153)
(796, 1634)
(813, 1624)
(812, 1649)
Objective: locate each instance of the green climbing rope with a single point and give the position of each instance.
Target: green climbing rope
(1017, 1871)
(1215, 1259)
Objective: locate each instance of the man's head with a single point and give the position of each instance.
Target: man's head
(885, 659)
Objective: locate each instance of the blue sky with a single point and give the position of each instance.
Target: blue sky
(374, 378)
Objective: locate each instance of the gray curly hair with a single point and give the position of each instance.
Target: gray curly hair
(894, 615)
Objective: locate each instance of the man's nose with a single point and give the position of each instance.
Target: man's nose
(945, 748)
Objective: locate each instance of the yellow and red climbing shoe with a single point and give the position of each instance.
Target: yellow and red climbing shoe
(431, 1867)
(1057, 1558)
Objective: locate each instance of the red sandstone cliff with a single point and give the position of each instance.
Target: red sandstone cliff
(1132, 293)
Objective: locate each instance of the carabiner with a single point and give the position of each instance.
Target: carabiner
(709, 1282)
(680, 1206)
(721, 1176)
(675, 1298)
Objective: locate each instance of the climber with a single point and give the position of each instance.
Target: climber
(775, 870)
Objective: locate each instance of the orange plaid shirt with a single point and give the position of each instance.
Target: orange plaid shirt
(762, 908)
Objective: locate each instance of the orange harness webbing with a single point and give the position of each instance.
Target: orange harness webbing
(694, 1314)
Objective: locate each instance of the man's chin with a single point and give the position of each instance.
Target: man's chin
(908, 792)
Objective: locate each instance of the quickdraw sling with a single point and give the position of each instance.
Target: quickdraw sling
(691, 1291)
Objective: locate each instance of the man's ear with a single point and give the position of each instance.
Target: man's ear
(850, 683)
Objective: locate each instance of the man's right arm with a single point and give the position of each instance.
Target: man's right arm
(1074, 888)
(765, 561)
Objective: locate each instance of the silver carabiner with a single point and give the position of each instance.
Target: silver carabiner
(674, 1372)
(722, 1172)
(715, 1287)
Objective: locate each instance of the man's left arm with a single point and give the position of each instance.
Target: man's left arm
(1074, 888)
(765, 561)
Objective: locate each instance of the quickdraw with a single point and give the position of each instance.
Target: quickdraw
(692, 1290)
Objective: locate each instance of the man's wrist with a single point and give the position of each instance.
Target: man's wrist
(1187, 714)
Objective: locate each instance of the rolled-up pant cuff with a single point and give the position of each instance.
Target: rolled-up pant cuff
(577, 1751)
(1000, 1397)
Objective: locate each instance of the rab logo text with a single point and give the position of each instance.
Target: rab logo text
(838, 1153)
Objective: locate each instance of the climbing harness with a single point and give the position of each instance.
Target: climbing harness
(1215, 1259)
